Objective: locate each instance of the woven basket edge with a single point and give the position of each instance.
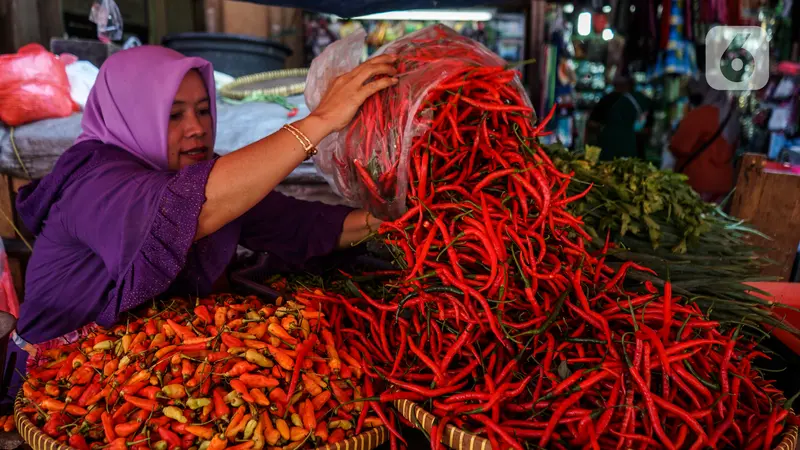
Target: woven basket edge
(453, 437)
(788, 442)
(287, 90)
(30, 433)
(357, 442)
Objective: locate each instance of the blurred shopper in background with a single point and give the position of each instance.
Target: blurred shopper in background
(705, 142)
(616, 119)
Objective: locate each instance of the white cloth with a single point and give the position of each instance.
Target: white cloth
(81, 75)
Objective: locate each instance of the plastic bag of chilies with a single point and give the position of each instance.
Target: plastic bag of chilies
(367, 162)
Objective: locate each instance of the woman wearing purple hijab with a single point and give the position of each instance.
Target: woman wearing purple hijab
(140, 205)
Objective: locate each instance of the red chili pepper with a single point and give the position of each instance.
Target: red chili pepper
(172, 439)
(108, 426)
(142, 403)
(77, 441)
(302, 351)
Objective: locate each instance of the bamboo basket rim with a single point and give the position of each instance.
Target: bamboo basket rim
(38, 440)
(283, 90)
(459, 439)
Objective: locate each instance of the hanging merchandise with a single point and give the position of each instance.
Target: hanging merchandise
(664, 26)
(678, 55)
(734, 17)
(105, 13)
(641, 45)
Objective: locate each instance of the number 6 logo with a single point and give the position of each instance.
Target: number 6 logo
(737, 58)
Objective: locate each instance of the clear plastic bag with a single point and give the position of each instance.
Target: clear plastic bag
(33, 86)
(105, 13)
(367, 162)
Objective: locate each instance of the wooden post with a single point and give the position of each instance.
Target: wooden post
(6, 209)
(19, 24)
(536, 40)
(157, 15)
(51, 20)
(769, 199)
(213, 14)
(284, 25)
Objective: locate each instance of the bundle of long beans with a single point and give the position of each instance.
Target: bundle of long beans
(657, 220)
(504, 322)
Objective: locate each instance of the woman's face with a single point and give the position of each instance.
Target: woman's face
(190, 138)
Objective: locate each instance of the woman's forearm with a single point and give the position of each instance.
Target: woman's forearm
(238, 181)
(357, 226)
(241, 179)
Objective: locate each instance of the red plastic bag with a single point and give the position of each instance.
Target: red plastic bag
(367, 162)
(33, 86)
(9, 302)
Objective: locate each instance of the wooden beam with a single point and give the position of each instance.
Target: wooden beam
(285, 25)
(51, 20)
(214, 15)
(19, 24)
(157, 16)
(199, 13)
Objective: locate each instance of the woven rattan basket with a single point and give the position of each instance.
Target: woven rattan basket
(461, 440)
(285, 83)
(38, 440)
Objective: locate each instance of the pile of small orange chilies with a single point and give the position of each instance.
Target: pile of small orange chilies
(222, 372)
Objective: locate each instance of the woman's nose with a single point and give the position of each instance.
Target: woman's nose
(193, 127)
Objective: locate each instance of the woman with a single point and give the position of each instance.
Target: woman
(705, 142)
(140, 205)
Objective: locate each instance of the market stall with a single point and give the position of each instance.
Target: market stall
(497, 307)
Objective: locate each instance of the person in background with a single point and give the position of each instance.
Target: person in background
(141, 206)
(705, 142)
(616, 119)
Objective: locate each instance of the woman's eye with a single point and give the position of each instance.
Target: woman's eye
(175, 116)
(205, 112)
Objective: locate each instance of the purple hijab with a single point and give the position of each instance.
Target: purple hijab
(130, 103)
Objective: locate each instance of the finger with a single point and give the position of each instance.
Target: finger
(372, 71)
(377, 86)
(382, 59)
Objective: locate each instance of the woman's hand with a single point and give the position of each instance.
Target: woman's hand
(358, 225)
(349, 91)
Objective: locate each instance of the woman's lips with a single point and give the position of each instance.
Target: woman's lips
(198, 154)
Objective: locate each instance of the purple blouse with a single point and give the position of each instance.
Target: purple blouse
(113, 233)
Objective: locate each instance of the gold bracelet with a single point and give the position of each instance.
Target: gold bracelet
(308, 147)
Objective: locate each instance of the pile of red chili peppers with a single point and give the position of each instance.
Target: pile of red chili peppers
(503, 324)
